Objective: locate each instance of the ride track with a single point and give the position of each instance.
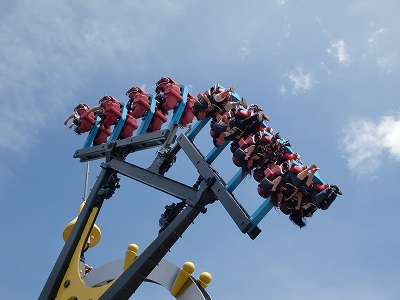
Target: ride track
(119, 280)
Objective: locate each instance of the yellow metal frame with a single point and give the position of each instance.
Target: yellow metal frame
(73, 286)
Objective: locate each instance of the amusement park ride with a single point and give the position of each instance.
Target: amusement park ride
(120, 279)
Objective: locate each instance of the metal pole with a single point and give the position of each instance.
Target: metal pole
(86, 181)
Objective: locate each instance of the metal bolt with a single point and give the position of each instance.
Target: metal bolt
(66, 283)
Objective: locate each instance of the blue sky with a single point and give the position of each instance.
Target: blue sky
(328, 76)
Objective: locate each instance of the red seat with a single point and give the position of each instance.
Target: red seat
(263, 193)
(297, 169)
(272, 173)
(162, 84)
(290, 156)
(86, 122)
(172, 95)
(244, 143)
(266, 139)
(140, 101)
(102, 134)
(236, 161)
(258, 175)
(156, 122)
(112, 112)
(319, 187)
(243, 113)
(129, 127)
(187, 115)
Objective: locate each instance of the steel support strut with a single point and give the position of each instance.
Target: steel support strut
(63, 262)
(137, 272)
(211, 188)
(217, 186)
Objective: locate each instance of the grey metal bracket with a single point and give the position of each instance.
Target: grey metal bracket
(217, 186)
(121, 148)
(152, 179)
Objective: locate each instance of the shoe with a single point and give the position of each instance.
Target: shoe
(266, 117)
(260, 116)
(336, 190)
(243, 102)
(255, 107)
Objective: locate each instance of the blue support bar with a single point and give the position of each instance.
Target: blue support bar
(92, 134)
(120, 123)
(234, 182)
(212, 155)
(260, 213)
(196, 128)
(148, 116)
(180, 107)
(236, 97)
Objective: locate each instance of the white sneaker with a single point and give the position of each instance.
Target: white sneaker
(243, 102)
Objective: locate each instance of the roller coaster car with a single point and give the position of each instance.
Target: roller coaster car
(243, 113)
(297, 169)
(112, 111)
(238, 157)
(290, 156)
(187, 115)
(85, 122)
(129, 127)
(169, 91)
(319, 187)
(264, 188)
(138, 102)
(156, 122)
(102, 134)
(273, 172)
(258, 174)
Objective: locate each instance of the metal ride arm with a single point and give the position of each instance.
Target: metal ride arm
(137, 272)
(79, 235)
(211, 188)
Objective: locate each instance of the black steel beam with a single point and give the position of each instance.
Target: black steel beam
(57, 274)
(159, 182)
(123, 147)
(217, 185)
(136, 273)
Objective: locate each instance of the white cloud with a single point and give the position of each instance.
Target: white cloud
(300, 81)
(373, 40)
(280, 2)
(48, 50)
(387, 62)
(366, 142)
(244, 50)
(338, 51)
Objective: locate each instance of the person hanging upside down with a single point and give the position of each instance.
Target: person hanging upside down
(300, 182)
(263, 153)
(311, 202)
(236, 127)
(216, 100)
(81, 119)
(109, 110)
